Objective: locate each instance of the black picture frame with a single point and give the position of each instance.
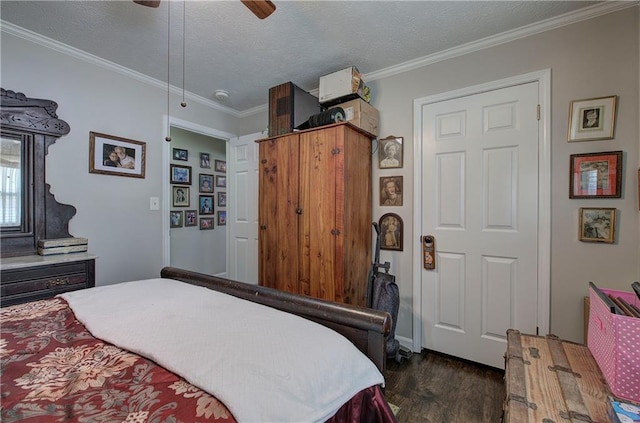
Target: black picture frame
(391, 232)
(180, 174)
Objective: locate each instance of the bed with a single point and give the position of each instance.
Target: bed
(157, 351)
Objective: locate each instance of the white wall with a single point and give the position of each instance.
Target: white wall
(203, 251)
(113, 212)
(593, 58)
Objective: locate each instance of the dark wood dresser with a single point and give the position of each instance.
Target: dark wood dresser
(552, 380)
(29, 278)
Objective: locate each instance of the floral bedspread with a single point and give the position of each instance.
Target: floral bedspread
(53, 370)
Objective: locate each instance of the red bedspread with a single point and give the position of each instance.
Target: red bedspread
(53, 370)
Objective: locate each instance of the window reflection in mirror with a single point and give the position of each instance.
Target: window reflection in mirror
(11, 182)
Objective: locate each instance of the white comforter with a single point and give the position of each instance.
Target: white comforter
(265, 365)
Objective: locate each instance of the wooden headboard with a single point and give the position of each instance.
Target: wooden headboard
(364, 327)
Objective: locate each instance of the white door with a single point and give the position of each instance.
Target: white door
(242, 208)
(480, 201)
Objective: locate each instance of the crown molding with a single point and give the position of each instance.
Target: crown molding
(52, 44)
(495, 40)
(504, 37)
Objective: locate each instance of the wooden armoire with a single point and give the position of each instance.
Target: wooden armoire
(315, 231)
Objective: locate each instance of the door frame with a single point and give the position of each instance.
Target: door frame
(167, 123)
(543, 78)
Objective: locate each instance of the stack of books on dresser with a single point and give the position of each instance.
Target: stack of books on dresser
(48, 247)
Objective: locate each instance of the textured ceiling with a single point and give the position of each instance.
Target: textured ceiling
(227, 47)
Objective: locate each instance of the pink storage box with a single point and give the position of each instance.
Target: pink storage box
(614, 341)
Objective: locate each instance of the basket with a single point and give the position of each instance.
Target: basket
(614, 341)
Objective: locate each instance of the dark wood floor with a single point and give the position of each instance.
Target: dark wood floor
(435, 388)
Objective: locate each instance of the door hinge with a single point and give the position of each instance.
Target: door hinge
(538, 112)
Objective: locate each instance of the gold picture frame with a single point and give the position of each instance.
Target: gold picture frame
(592, 119)
(597, 224)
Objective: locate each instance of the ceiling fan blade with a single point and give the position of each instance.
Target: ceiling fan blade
(260, 8)
(149, 3)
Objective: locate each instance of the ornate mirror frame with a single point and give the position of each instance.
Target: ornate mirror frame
(34, 122)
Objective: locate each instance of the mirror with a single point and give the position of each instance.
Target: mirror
(29, 212)
(11, 188)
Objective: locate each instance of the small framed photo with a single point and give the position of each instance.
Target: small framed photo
(597, 225)
(176, 219)
(391, 190)
(205, 161)
(391, 232)
(180, 154)
(206, 223)
(180, 174)
(592, 119)
(222, 218)
(191, 218)
(206, 204)
(181, 196)
(222, 199)
(390, 152)
(110, 155)
(205, 182)
(221, 181)
(596, 175)
(221, 166)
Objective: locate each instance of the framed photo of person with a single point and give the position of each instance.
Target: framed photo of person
(222, 218)
(597, 225)
(221, 181)
(391, 190)
(592, 119)
(221, 166)
(222, 199)
(390, 152)
(206, 204)
(205, 182)
(205, 161)
(391, 228)
(191, 218)
(206, 223)
(176, 219)
(110, 155)
(181, 196)
(180, 154)
(180, 174)
(596, 175)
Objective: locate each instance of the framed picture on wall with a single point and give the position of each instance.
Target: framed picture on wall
(205, 182)
(181, 196)
(206, 204)
(205, 161)
(222, 199)
(191, 218)
(222, 218)
(390, 152)
(592, 119)
(391, 190)
(597, 224)
(180, 174)
(111, 155)
(391, 232)
(221, 181)
(206, 223)
(176, 219)
(180, 154)
(596, 175)
(221, 166)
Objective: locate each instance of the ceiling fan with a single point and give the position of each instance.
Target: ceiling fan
(260, 8)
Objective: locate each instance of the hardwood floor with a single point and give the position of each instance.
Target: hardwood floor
(435, 388)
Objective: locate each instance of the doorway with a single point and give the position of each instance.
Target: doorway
(482, 192)
(196, 240)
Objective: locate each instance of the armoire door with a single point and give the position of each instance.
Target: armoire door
(277, 214)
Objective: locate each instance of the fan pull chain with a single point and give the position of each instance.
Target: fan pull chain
(184, 35)
(168, 137)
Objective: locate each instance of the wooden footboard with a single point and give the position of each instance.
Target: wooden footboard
(365, 328)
